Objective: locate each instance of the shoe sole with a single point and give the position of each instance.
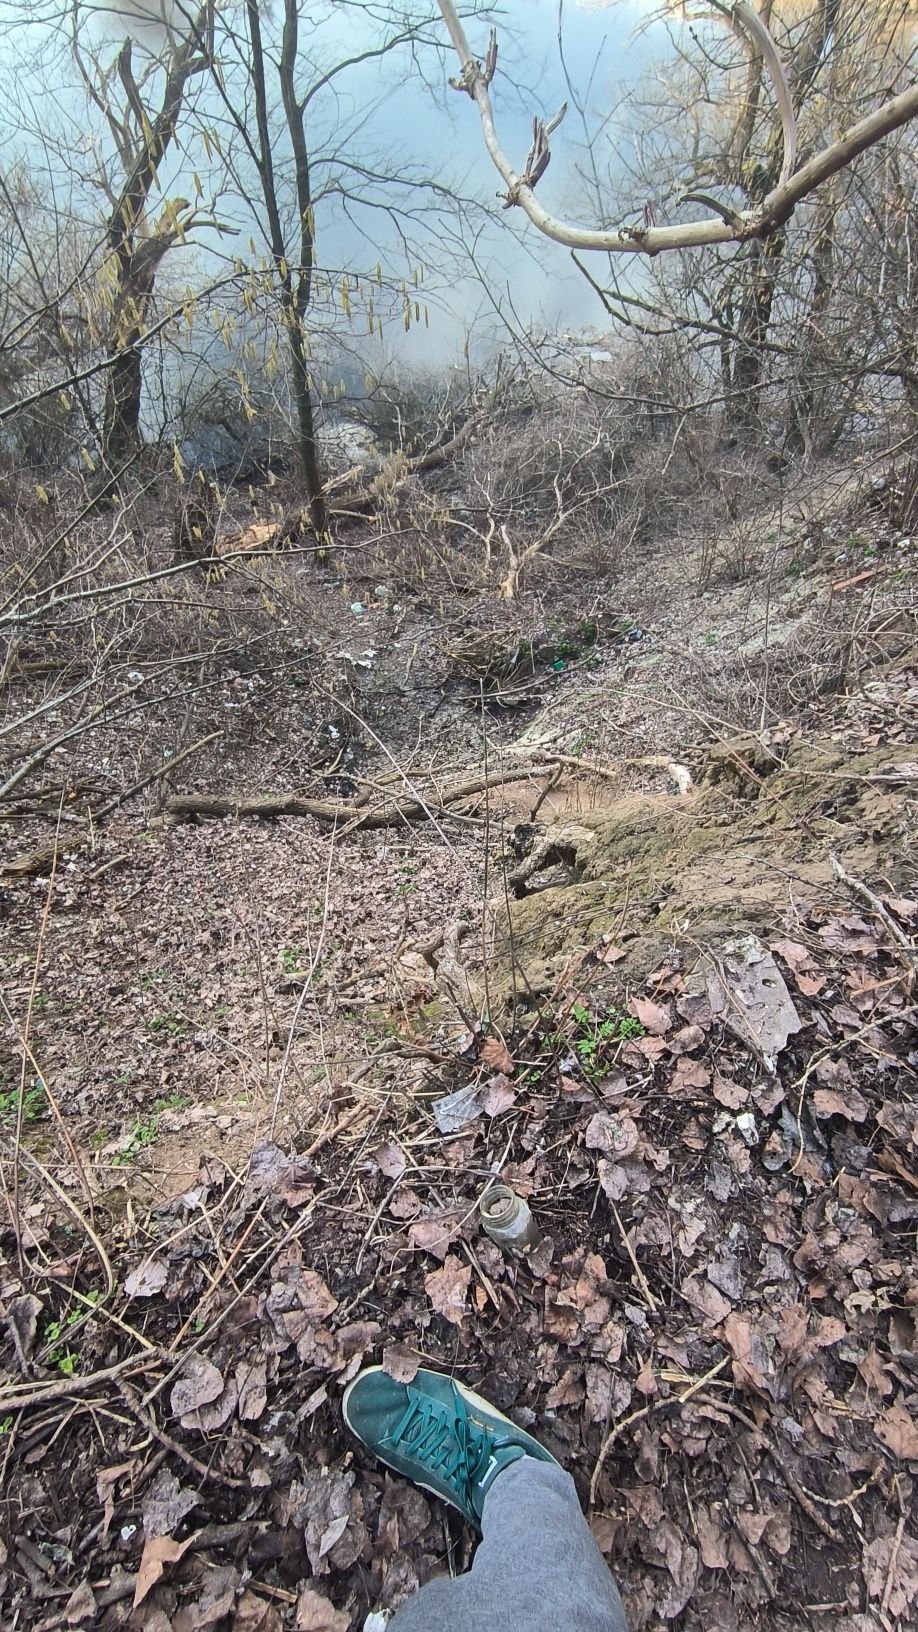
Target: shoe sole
(470, 1397)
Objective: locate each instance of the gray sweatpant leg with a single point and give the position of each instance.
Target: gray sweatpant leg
(537, 1567)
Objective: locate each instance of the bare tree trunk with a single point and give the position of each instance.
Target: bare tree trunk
(137, 249)
(805, 435)
(296, 290)
(308, 447)
(764, 262)
(121, 419)
(764, 257)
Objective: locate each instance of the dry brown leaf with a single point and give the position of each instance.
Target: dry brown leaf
(598, 1401)
(404, 1204)
(656, 1018)
(81, 1606)
(699, 1292)
(851, 1104)
(206, 1419)
(355, 1339)
(496, 1054)
(22, 1321)
(829, 1330)
(390, 1159)
(448, 1287)
(273, 1173)
(251, 1381)
(313, 1295)
(792, 1330)
(199, 1384)
(810, 985)
(158, 1551)
(568, 1390)
(748, 1357)
(605, 1533)
(165, 1504)
(778, 1534)
(688, 1235)
(875, 1374)
(590, 1292)
(153, 1619)
(615, 1136)
(795, 954)
(691, 1074)
(497, 1095)
(562, 1319)
(106, 1480)
(400, 1362)
(610, 953)
(898, 1429)
(324, 1504)
(729, 1093)
(901, 1121)
(404, 1515)
(254, 1614)
(214, 1602)
(333, 1533)
(617, 1178)
(709, 1531)
(746, 989)
(147, 1279)
(434, 1235)
(314, 1613)
(752, 1526)
(891, 1575)
(645, 1381)
(685, 1040)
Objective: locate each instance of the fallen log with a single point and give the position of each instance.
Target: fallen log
(354, 813)
(34, 862)
(267, 535)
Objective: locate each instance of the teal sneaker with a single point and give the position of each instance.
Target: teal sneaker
(437, 1433)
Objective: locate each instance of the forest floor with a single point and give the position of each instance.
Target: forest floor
(227, 1044)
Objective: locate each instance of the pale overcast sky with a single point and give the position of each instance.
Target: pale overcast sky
(606, 47)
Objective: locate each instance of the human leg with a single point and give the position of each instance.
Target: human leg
(536, 1569)
(538, 1565)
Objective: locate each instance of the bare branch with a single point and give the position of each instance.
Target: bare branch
(741, 16)
(730, 227)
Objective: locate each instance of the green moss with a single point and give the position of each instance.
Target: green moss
(654, 870)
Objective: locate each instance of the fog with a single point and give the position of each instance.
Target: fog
(400, 114)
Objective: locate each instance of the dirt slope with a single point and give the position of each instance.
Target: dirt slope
(758, 834)
(235, 1183)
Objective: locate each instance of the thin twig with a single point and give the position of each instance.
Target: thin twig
(804, 1499)
(645, 1410)
(860, 889)
(649, 1298)
(170, 1444)
(20, 1399)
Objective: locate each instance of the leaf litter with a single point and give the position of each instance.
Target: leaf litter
(721, 1347)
